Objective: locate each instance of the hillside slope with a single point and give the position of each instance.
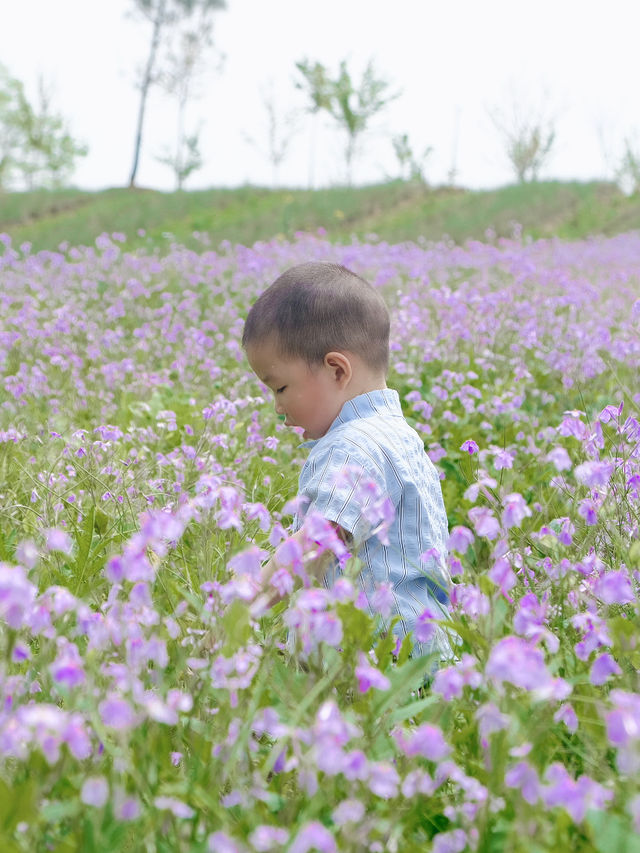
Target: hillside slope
(394, 211)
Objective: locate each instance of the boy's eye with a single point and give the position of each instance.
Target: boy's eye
(280, 390)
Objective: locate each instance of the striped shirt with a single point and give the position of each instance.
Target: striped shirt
(371, 436)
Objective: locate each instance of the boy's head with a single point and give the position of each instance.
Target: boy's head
(324, 330)
(314, 308)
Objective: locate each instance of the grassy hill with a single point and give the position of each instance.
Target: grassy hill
(394, 211)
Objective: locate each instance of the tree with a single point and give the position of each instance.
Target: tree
(36, 146)
(411, 165)
(182, 67)
(316, 85)
(280, 131)
(528, 136)
(351, 105)
(164, 15)
(628, 169)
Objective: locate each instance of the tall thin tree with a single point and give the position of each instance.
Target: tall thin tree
(163, 15)
(350, 104)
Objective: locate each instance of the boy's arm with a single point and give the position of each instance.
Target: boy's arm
(315, 564)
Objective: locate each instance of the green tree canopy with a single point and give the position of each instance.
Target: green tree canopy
(36, 146)
(351, 104)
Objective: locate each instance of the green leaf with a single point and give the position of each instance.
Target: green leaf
(17, 803)
(236, 627)
(84, 544)
(357, 626)
(612, 833)
(413, 709)
(405, 679)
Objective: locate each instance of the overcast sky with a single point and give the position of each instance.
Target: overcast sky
(452, 61)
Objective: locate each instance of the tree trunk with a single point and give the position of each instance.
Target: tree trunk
(144, 87)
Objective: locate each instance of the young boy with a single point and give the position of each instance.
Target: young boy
(318, 337)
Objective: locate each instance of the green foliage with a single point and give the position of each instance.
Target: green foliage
(177, 69)
(411, 164)
(395, 212)
(214, 756)
(186, 160)
(36, 147)
(528, 135)
(352, 105)
(628, 170)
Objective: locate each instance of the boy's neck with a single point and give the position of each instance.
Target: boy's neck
(364, 384)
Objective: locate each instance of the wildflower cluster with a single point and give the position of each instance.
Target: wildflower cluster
(149, 700)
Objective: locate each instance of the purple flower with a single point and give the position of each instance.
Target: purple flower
(594, 474)
(282, 581)
(349, 811)
(470, 600)
(27, 553)
(125, 807)
(503, 459)
(177, 807)
(450, 681)
(368, 676)
(289, 553)
(575, 796)
(491, 719)
(67, 667)
(248, 562)
(610, 413)
(560, 458)
(355, 765)
(95, 791)
(382, 599)
(469, 446)
(418, 782)
(425, 625)
(518, 662)
(20, 652)
(484, 521)
(587, 510)
(58, 540)
(460, 539)
(602, 669)
(383, 779)
(515, 510)
(116, 713)
(17, 595)
(524, 777)
(313, 836)
(623, 722)
(454, 841)
(427, 740)
(567, 715)
(265, 838)
(502, 575)
(614, 588)
(220, 842)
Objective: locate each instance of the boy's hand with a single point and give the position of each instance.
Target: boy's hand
(312, 559)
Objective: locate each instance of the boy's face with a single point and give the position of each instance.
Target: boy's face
(308, 397)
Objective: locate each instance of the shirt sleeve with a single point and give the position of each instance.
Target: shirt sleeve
(346, 488)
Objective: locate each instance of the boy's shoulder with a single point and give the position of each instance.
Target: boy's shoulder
(376, 438)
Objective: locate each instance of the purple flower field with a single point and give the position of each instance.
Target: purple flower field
(147, 700)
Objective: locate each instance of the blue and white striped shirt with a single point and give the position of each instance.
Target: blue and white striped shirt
(370, 434)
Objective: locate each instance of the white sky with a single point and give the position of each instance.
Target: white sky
(451, 60)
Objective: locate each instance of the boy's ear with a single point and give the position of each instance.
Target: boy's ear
(340, 366)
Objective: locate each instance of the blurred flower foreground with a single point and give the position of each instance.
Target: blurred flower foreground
(148, 703)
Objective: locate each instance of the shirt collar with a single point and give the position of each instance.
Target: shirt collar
(385, 402)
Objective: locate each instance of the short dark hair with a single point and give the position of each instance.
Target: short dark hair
(316, 308)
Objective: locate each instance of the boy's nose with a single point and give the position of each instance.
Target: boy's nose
(278, 407)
